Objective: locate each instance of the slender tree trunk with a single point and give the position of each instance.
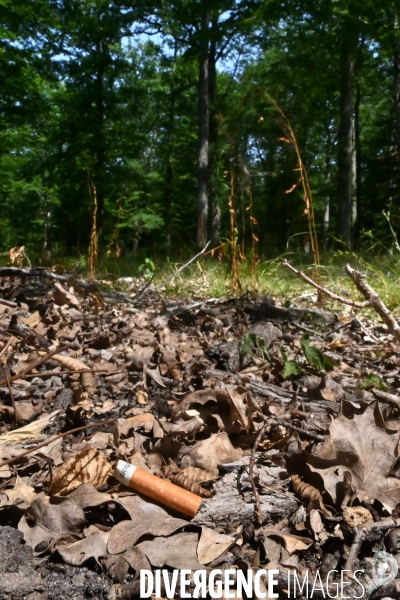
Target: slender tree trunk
(169, 170)
(395, 147)
(202, 167)
(346, 135)
(396, 64)
(357, 207)
(212, 87)
(328, 174)
(100, 142)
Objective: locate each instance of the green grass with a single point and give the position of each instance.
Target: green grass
(210, 278)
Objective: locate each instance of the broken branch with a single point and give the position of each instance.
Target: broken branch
(54, 439)
(325, 290)
(373, 299)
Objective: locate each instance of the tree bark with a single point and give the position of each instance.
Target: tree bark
(357, 206)
(202, 167)
(346, 136)
(100, 142)
(395, 146)
(396, 64)
(212, 87)
(169, 174)
(328, 174)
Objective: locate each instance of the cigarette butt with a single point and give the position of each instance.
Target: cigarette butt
(158, 489)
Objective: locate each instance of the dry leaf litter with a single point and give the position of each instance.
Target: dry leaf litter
(295, 458)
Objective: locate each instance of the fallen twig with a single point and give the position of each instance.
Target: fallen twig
(325, 290)
(54, 439)
(313, 436)
(251, 471)
(374, 300)
(10, 391)
(158, 287)
(44, 273)
(386, 397)
(360, 534)
(359, 537)
(34, 364)
(8, 303)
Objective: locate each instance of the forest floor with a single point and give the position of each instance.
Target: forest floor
(270, 413)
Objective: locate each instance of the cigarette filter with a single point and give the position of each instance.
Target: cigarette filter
(158, 489)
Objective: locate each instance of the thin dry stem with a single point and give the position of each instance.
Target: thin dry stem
(55, 438)
(374, 300)
(324, 290)
(251, 471)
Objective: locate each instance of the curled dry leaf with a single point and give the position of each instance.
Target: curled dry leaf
(28, 432)
(212, 545)
(93, 546)
(88, 466)
(62, 296)
(146, 518)
(141, 397)
(208, 454)
(178, 551)
(88, 380)
(355, 516)
(362, 445)
(309, 492)
(21, 494)
(45, 518)
(144, 422)
(86, 495)
(189, 478)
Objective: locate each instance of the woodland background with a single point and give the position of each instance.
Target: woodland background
(155, 125)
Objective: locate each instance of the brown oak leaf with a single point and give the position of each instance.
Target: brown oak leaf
(362, 445)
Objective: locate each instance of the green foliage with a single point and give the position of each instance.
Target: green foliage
(251, 340)
(314, 356)
(87, 104)
(373, 381)
(291, 367)
(147, 269)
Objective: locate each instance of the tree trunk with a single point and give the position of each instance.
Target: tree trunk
(169, 174)
(202, 167)
(328, 173)
(357, 168)
(346, 136)
(100, 142)
(396, 64)
(212, 88)
(395, 146)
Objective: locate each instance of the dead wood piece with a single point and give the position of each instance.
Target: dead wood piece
(325, 290)
(309, 434)
(45, 274)
(251, 472)
(230, 505)
(386, 397)
(8, 303)
(374, 300)
(10, 391)
(360, 534)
